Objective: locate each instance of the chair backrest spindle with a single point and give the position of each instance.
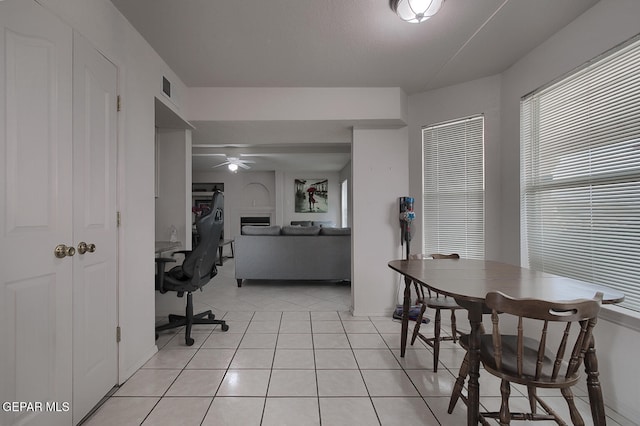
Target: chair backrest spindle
(561, 350)
(541, 364)
(497, 341)
(520, 353)
(541, 350)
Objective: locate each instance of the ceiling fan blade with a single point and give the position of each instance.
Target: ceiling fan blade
(271, 154)
(221, 164)
(246, 161)
(244, 166)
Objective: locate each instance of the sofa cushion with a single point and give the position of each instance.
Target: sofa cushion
(300, 223)
(261, 230)
(300, 230)
(335, 231)
(323, 223)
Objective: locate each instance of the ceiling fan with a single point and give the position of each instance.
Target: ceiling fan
(234, 162)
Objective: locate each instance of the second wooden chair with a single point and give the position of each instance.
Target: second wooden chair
(437, 302)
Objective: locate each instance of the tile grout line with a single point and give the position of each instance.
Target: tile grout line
(315, 367)
(266, 395)
(176, 378)
(215, 394)
(375, 410)
(404, 370)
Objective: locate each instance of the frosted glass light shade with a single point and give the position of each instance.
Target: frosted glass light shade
(233, 167)
(415, 11)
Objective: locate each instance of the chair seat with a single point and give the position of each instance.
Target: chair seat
(176, 280)
(509, 368)
(441, 303)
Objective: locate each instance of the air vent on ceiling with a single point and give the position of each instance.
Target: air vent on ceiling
(166, 86)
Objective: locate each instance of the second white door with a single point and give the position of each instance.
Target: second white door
(95, 357)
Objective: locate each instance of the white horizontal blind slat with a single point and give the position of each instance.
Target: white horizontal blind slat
(453, 188)
(580, 148)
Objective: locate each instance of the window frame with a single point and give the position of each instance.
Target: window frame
(592, 170)
(470, 243)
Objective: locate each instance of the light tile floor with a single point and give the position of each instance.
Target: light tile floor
(294, 355)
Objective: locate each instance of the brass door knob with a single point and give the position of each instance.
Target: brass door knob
(84, 247)
(62, 251)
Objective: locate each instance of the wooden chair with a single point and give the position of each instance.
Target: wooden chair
(437, 302)
(530, 362)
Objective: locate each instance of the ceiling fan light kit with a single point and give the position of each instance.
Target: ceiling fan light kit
(233, 163)
(415, 11)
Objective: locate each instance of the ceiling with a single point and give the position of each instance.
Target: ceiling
(338, 43)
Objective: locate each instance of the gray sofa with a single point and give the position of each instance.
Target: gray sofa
(293, 253)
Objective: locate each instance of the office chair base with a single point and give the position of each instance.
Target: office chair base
(189, 319)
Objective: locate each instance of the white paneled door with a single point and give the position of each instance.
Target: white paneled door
(35, 214)
(46, 286)
(94, 227)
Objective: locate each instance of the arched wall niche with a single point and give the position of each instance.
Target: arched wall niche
(257, 205)
(255, 194)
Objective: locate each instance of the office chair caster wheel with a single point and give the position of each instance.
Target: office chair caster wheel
(225, 327)
(189, 341)
(211, 316)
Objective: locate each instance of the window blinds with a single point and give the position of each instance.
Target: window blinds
(580, 158)
(453, 188)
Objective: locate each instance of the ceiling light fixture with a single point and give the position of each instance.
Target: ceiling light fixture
(415, 11)
(233, 167)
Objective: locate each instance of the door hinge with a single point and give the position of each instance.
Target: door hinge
(118, 102)
(118, 334)
(118, 219)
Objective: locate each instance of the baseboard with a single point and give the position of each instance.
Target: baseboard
(361, 313)
(624, 410)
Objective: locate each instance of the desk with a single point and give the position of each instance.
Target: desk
(167, 246)
(468, 281)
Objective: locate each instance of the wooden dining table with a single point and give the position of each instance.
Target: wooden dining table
(468, 282)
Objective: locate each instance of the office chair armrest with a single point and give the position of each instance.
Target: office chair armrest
(185, 252)
(160, 262)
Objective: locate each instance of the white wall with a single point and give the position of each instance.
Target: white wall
(379, 176)
(174, 184)
(304, 103)
(463, 100)
(140, 72)
(605, 25)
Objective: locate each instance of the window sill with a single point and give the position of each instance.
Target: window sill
(621, 316)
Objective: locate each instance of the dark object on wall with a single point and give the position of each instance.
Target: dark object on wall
(166, 86)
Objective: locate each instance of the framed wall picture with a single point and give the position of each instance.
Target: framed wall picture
(311, 195)
(201, 206)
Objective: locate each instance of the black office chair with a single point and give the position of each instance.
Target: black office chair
(197, 269)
